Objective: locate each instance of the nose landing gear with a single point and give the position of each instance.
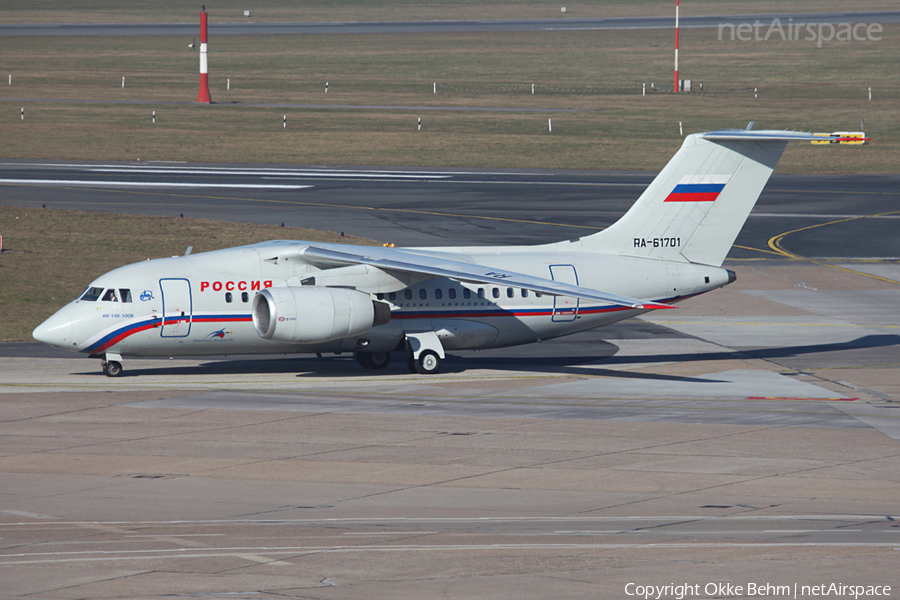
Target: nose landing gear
(112, 365)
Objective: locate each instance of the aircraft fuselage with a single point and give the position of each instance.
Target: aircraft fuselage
(201, 304)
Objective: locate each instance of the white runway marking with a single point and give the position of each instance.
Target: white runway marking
(821, 216)
(157, 184)
(275, 173)
(458, 520)
(29, 515)
(259, 554)
(156, 168)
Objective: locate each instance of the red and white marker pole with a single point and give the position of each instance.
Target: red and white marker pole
(675, 89)
(203, 95)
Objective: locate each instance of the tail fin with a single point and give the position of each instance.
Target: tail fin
(695, 208)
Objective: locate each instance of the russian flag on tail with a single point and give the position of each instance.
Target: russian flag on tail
(698, 188)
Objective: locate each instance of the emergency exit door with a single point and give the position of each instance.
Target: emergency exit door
(177, 307)
(565, 308)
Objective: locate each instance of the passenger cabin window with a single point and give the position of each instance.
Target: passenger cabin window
(452, 293)
(380, 296)
(91, 294)
(438, 293)
(408, 294)
(228, 297)
(495, 293)
(245, 297)
(481, 292)
(392, 296)
(524, 293)
(110, 296)
(510, 292)
(467, 293)
(124, 295)
(423, 294)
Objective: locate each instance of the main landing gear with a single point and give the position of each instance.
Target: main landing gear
(373, 360)
(424, 352)
(427, 363)
(112, 365)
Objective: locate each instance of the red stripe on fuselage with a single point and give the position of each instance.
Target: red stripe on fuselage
(125, 334)
(500, 312)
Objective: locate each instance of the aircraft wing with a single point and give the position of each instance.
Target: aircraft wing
(393, 259)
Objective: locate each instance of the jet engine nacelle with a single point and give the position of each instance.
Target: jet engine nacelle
(314, 314)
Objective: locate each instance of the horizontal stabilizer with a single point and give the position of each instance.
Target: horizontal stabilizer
(784, 136)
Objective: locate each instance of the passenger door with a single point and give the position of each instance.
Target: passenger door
(565, 308)
(177, 311)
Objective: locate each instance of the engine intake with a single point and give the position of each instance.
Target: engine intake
(314, 314)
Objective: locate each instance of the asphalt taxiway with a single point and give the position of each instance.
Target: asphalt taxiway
(248, 27)
(749, 436)
(844, 216)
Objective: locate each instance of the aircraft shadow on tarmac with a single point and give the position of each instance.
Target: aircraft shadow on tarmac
(865, 342)
(510, 359)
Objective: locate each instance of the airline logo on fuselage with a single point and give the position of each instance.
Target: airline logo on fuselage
(231, 286)
(698, 188)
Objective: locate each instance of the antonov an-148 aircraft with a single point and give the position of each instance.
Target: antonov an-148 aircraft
(294, 296)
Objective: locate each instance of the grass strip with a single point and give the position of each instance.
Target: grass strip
(600, 74)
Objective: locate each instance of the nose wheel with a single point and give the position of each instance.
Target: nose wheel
(112, 365)
(112, 368)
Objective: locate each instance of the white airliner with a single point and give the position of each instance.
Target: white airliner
(294, 296)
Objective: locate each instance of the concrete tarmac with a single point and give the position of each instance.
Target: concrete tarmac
(747, 439)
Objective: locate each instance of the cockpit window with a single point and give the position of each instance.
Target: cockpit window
(110, 296)
(91, 294)
(124, 295)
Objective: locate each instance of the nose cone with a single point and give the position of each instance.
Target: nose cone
(56, 331)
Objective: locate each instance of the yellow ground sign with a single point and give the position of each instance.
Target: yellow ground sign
(843, 137)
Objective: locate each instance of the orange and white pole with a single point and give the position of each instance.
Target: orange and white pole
(676, 47)
(203, 94)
